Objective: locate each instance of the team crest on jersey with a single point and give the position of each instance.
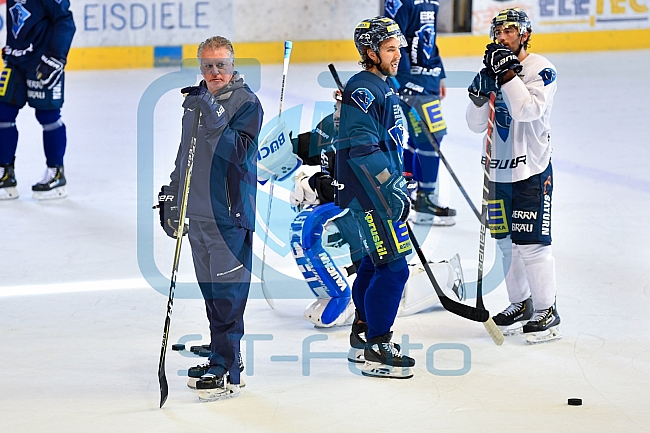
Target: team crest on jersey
(548, 76)
(502, 119)
(397, 133)
(363, 97)
(18, 17)
(426, 36)
(392, 6)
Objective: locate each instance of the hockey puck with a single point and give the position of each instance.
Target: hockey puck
(204, 353)
(196, 349)
(575, 402)
(178, 346)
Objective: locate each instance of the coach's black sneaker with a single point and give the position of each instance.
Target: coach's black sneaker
(543, 326)
(8, 182)
(384, 359)
(52, 185)
(510, 321)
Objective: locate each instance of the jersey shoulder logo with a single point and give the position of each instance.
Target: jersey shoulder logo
(548, 75)
(392, 6)
(19, 16)
(426, 38)
(363, 98)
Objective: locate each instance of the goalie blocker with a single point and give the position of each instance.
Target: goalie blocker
(275, 157)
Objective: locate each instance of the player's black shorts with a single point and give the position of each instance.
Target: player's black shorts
(522, 209)
(18, 85)
(383, 240)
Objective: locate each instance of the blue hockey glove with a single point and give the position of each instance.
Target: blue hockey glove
(498, 60)
(214, 115)
(168, 211)
(395, 192)
(481, 87)
(49, 71)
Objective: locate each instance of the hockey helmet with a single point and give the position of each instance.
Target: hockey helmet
(515, 17)
(373, 31)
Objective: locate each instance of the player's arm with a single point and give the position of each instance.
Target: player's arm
(63, 28)
(527, 101)
(237, 141)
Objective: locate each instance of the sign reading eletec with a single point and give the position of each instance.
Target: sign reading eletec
(554, 16)
(150, 22)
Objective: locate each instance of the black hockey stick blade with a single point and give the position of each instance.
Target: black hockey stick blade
(462, 310)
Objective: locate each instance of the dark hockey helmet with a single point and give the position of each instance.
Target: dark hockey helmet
(373, 31)
(515, 17)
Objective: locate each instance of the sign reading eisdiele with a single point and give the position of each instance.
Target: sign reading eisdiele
(553, 16)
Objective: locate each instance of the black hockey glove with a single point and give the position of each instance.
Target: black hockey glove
(168, 211)
(498, 60)
(49, 71)
(481, 87)
(214, 115)
(395, 192)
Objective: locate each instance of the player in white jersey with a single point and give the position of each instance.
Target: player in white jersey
(521, 174)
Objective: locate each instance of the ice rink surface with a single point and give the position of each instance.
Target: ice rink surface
(80, 328)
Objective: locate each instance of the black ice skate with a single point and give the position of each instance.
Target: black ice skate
(427, 212)
(384, 359)
(8, 182)
(543, 327)
(51, 186)
(213, 388)
(357, 340)
(510, 321)
(196, 372)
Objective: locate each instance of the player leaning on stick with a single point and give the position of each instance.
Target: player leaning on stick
(220, 206)
(370, 183)
(521, 174)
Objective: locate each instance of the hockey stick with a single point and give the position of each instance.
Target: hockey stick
(336, 77)
(162, 378)
(491, 327)
(434, 143)
(462, 310)
(288, 45)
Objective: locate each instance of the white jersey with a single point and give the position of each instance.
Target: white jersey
(522, 123)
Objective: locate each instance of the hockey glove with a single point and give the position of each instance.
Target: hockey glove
(395, 192)
(303, 194)
(214, 115)
(498, 60)
(49, 71)
(481, 87)
(168, 211)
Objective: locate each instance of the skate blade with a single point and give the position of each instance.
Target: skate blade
(551, 334)
(376, 369)
(191, 382)
(9, 193)
(55, 193)
(356, 355)
(231, 391)
(514, 329)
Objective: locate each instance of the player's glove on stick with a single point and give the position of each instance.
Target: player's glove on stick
(395, 192)
(49, 71)
(213, 113)
(168, 211)
(498, 60)
(481, 87)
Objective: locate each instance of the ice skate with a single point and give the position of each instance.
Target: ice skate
(196, 372)
(510, 321)
(213, 388)
(52, 185)
(427, 212)
(357, 340)
(543, 327)
(384, 359)
(8, 182)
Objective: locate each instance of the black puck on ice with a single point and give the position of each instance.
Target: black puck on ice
(575, 402)
(204, 353)
(195, 349)
(178, 346)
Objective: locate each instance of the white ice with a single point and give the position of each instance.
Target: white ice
(80, 328)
